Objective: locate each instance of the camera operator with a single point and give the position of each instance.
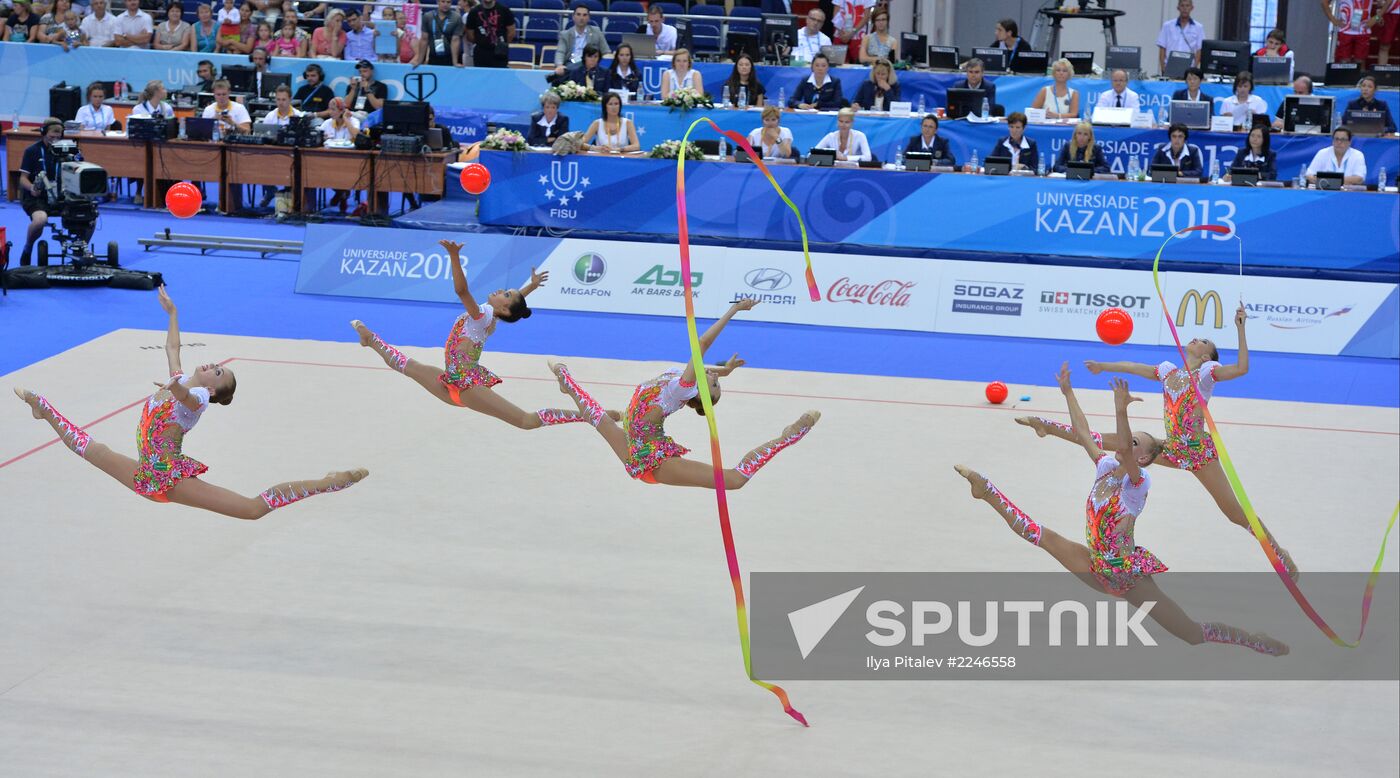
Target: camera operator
(39, 160)
(231, 115)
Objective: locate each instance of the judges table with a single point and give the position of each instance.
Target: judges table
(953, 211)
(122, 158)
(889, 134)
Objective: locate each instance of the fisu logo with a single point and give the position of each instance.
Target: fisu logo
(651, 80)
(563, 187)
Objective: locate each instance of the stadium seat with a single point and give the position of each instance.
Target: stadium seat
(522, 56)
(671, 9)
(515, 5)
(705, 35)
(628, 7)
(594, 6)
(543, 28)
(547, 5)
(547, 55)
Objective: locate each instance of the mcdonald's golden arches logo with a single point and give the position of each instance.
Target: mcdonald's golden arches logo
(1202, 301)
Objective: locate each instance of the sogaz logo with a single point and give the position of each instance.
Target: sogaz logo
(590, 268)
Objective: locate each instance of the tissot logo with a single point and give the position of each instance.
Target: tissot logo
(590, 268)
(767, 279)
(1129, 302)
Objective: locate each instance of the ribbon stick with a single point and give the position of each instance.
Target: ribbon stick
(696, 358)
(1238, 487)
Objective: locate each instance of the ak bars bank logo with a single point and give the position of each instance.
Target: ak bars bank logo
(563, 189)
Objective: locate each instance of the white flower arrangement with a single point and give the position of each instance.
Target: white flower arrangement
(686, 98)
(573, 91)
(672, 148)
(504, 140)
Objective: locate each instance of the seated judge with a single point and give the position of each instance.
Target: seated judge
(548, 124)
(849, 143)
(1194, 77)
(1185, 157)
(881, 89)
(820, 90)
(975, 80)
(1022, 150)
(1368, 102)
(1257, 154)
(929, 141)
(587, 73)
(1081, 148)
(1340, 157)
(772, 140)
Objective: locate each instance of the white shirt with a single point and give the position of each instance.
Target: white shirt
(99, 31)
(676, 83)
(1231, 106)
(98, 120)
(1325, 161)
(809, 46)
(159, 109)
(135, 24)
(273, 117)
(236, 112)
(1055, 103)
(756, 140)
(857, 147)
(1015, 151)
(343, 133)
(1173, 38)
(666, 39)
(606, 140)
(1109, 99)
(229, 16)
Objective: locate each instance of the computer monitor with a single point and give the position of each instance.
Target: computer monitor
(1127, 58)
(1343, 74)
(1273, 70)
(1244, 175)
(780, 28)
(821, 157)
(921, 161)
(1387, 75)
(997, 166)
(404, 117)
(1195, 114)
(914, 47)
(683, 37)
(943, 57)
(739, 43)
(1163, 173)
(993, 59)
(1331, 181)
(1031, 62)
(199, 128)
(240, 78)
(270, 82)
(1177, 63)
(1079, 170)
(1081, 61)
(962, 102)
(203, 99)
(1307, 114)
(1363, 122)
(1224, 58)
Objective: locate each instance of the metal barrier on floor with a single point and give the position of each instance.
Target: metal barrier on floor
(206, 243)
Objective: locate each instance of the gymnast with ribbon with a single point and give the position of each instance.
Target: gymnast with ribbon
(163, 473)
(646, 451)
(465, 382)
(1188, 445)
(1116, 563)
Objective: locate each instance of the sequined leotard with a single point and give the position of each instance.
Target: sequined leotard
(1112, 510)
(164, 423)
(647, 443)
(1188, 444)
(463, 349)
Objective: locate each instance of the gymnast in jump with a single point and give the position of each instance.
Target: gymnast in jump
(163, 473)
(1117, 565)
(1187, 445)
(465, 382)
(647, 453)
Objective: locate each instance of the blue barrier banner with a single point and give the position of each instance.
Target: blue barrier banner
(888, 135)
(464, 126)
(409, 264)
(946, 211)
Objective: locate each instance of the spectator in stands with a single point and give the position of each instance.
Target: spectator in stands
(408, 40)
(22, 23)
(928, 140)
(657, 28)
(267, 11)
(263, 41)
(1194, 77)
(174, 34)
(50, 29)
(1353, 29)
(681, 75)
(1243, 105)
(820, 90)
(850, 19)
(1180, 34)
(1340, 158)
(38, 159)
(811, 39)
(623, 73)
(1390, 33)
(772, 140)
(204, 71)
(881, 89)
(1009, 39)
(587, 73)
(230, 115)
(879, 44)
(1081, 148)
(614, 132)
(205, 30)
(547, 125)
(744, 77)
(849, 143)
(315, 95)
(490, 27)
(1185, 157)
(359, 39)
(73, 35)
(1059, 99)
(575, 39)
(1024, 154)
(310, 9)
(230, 21)
(1368, 102)
(328, 40)
(441, 40)
(153, 101)
(247, 33)
(1256, 154)
(286, 43)
(96, 116)
(364, 94)
(1120, 96)
(976, 80)
(1274, 46)
(99, 26)
(1302, 85)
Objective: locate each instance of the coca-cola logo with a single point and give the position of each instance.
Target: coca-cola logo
(891, 292)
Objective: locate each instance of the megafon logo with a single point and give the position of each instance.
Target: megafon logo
(562, 180)
(590, 268)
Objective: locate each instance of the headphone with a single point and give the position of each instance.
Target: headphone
(51, 122)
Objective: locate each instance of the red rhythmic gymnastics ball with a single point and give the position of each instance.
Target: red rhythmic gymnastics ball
(183, 200)
(1114, 326)
(475, 178)
(996, 393)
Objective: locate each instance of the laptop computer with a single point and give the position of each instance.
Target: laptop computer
(263, 129)
(1163, 173)
(1195, 114)
(1331, 182)
(1081, 61)
(643, 45)
(993, 59)
(1343, 74)
(1177, 63)
(1387, 75)
(943, 57)
(1364, 122)
(1121, 117)
(821, 157)
(1273, 70)
(1127, 58)
(1079, 170)
(835, 55)
(199, 128)
(436, 138)
(1244, 175)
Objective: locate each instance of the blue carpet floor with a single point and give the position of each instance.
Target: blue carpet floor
(240, 295)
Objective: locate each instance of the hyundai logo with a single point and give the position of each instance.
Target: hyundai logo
(767, 279)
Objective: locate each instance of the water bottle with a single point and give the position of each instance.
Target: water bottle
(723, 148)
(1040, 167)
(743, 98)
(1215, 171)
(986, 108)
(1133, 170)
(921, 105)
(218, 130)
(1302, 178)
(724, 96)
(1164, 118)
(782, 98)
(14, 122)
(899, 162)
(182, 128)
(1380, 180)
(974, 164)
